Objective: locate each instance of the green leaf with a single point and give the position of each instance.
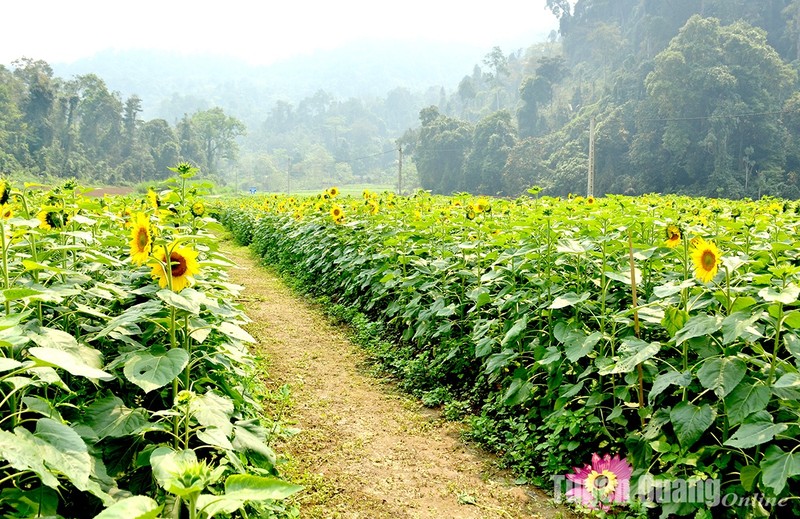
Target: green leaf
(15, 294)
(68, 361)
(212, 410)
(674, 320)
(569, 299)
(155, 367)
(671, 288)
(792, 319)
(690, 421)
(481, 296)
(742, 303)
(249, 436)
(258, 488)
(109, 418)
(664, 380)
(786, 296)
(722, 374)
(518, 391)
(792, 343)
(698, 326)
(777, 467)
(578, 344)
(22, 451)
(136, 507)
(131, 316)
(748, 475)
(747, 398)
(7, 364)
(515, 331)
(235, 331)
(741, 324)
(787, 387)
(179, 301)
(65, 451)
(499, 361)
(752, 434)
(632, 352)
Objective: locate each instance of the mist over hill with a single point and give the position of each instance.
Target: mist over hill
(171, 84)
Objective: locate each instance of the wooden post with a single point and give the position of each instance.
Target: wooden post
(590, 182)
(400, 170)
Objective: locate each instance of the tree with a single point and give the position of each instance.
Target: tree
(37, 104)
(498, 65)
(492, 140)
(217, 133)
(441, 147)
(703, 85)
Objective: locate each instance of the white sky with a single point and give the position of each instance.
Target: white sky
(257, 31)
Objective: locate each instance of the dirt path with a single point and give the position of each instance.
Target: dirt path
(365, 450)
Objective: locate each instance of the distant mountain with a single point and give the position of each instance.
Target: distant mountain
(171, 84)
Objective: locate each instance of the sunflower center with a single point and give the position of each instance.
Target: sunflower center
(142, 238)
(708, 259)
(178, 263)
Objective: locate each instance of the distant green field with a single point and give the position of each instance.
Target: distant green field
(346, 190)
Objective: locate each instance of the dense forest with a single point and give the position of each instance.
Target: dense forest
(689, 97)
(686, 96)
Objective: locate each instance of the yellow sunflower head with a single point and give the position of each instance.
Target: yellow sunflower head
(333, 192)
(706, 259)
(6, 211)
(590, 200)
(5, 192)
(153, 198)
(184, 266)
(337, 214)
(198, 209)
(673, 233)
(482, 205)
(51, 219)
(141, 240)
(372, 207)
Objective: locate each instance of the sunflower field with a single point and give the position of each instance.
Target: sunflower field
(663, 329)
(126, 387)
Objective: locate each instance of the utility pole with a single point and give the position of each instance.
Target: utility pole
(400, 170)
(590, 183)
(288, 173)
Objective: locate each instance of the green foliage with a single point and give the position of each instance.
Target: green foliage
(101, 370)
(521, 311)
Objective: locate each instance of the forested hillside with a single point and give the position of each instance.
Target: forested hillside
(689, 97)
(697, 97)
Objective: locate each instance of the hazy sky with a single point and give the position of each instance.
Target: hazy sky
(258, 31)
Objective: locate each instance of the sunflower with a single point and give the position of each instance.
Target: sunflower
(337, 214)
(706, 258)
(198, 209)
(482, 205)
(141, 241)
(372, 206)
(590, 200)
(153, 198)
(673, 233)
(333, 192)
(5, 192)
(52, 219)
(6, 211)
(183, 263)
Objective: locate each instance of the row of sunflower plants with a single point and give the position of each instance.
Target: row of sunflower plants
(662, 330)
(126, 386)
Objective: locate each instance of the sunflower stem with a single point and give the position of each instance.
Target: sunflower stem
(636, 329)
(6, 279)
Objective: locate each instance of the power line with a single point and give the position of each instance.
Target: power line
(729, 116)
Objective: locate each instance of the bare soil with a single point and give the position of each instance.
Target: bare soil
(366, 450)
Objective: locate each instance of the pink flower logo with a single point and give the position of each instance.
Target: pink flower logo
(606, 481)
